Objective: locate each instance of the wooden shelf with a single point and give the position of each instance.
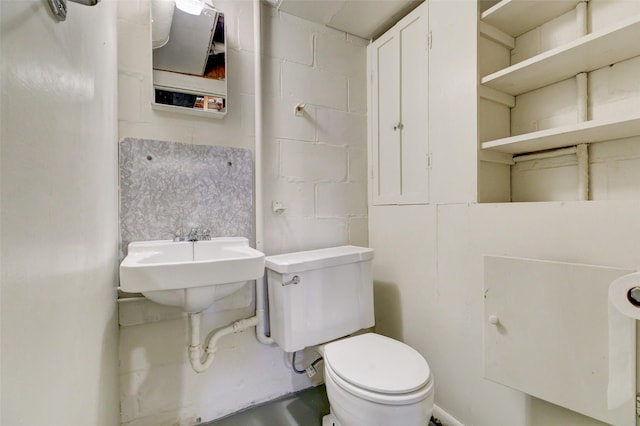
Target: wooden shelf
(614, 44)
(516, 17)
(587, 132)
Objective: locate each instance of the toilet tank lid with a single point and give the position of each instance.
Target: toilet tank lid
(315, 259)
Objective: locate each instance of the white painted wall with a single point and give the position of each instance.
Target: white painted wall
(59, 215)
(429, 283)
(314, 165)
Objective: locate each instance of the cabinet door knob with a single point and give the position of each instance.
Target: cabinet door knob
(493, 319)
(398, 126)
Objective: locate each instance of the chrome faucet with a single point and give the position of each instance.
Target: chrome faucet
(194, 235)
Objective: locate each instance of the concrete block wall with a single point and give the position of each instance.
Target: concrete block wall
(136, 118)
(158, 386)
(314, 165)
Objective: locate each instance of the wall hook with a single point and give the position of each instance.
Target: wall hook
(277, 207)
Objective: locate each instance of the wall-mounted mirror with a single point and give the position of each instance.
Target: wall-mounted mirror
(189, 57)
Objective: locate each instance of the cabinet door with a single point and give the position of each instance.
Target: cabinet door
(549, 335)
(414, 96)
(398, 63)
(386, 118)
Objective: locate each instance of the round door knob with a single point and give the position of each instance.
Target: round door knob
(493, 319)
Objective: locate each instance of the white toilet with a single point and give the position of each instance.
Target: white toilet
(319, 296)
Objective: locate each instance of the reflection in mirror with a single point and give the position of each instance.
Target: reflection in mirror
(161, 17)
(189, 64)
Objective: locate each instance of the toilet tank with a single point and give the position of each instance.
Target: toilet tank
(331, 297)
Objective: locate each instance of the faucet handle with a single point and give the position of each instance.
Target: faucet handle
(193, 234)
(206, 235)
(177, 236)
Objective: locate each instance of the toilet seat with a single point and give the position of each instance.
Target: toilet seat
(378, 397)
(378, 369)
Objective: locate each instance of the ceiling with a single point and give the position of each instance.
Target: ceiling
(363, 18)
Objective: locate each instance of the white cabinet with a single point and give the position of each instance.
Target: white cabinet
(398, 64)
(189, 70)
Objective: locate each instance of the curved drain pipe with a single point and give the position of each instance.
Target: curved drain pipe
(201, 356)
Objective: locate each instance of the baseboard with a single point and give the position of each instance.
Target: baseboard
(446, 418)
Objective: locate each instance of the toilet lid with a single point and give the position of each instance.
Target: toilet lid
(377, 363)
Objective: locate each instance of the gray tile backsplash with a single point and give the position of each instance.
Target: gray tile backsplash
(169, 186)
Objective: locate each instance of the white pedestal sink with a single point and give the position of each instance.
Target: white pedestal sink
(190, 275)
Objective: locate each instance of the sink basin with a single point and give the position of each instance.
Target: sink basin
(190, 275)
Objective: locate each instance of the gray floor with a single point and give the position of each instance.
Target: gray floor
(304, 408)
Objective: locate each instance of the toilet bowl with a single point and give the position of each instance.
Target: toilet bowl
(372, 380)
(319, 296)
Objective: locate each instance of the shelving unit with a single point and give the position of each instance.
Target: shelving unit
(588, 53)
(616, 43)
(516, 17)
